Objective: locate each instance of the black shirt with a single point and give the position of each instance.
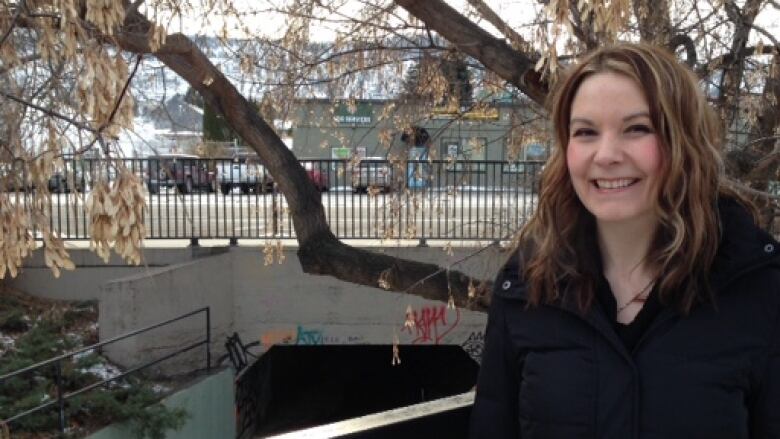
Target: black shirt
(632, 332)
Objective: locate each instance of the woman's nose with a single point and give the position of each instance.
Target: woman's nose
(608, 150)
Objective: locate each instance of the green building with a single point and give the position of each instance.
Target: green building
(500, 131)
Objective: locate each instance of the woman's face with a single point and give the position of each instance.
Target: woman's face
(613, 154)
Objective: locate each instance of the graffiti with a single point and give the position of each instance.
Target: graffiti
(308, 337)
(474, 345)
(303, 336)
(431, 324)
(278, 336)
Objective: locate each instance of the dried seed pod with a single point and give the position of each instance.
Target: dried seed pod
(16, 240)
(116, 217)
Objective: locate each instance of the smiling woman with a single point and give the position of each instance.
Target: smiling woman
(642, 301)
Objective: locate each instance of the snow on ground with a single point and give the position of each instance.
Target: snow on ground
(103, 370)
(6, 343)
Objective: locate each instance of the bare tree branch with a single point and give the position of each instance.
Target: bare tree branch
(514, 66)
(655, 26)
(49, 112)
(492, 17)
(12, 25)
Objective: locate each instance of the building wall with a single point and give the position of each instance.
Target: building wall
(320, 125)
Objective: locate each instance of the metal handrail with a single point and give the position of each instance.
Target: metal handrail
(57, 363)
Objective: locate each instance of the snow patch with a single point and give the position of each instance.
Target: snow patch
(159, 388)
(6, 343)
(81, 355)
(103, 370)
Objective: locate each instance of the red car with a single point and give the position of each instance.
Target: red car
(316, 172)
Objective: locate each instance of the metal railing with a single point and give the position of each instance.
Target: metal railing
(192, 198)
(56, 364)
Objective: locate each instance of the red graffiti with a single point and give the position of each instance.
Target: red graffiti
(431, 324)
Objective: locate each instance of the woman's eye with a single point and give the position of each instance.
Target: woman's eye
(639, 129)
(583, 132)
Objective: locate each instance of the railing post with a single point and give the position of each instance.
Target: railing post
(60, 399)
(275, 217)
(208, 339)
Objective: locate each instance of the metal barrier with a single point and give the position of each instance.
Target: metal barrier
(406, 421)
(56, 364)
(248, 387)
(193, 198)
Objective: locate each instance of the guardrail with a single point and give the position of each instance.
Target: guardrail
(56, 364)
(193, 198)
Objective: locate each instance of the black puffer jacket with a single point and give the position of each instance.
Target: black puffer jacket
(550, 372)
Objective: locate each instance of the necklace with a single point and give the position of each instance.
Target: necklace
(637, 296)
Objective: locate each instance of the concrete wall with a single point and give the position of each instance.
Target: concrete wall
(209, 404)
(159, 294)
(281, 304)
(85, 282)
(276, 304)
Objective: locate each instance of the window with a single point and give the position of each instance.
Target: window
(360, 152)
(530, 152)
(460, 153)
(339, 153)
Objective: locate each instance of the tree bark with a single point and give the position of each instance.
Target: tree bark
(655, 27)
(515, 67)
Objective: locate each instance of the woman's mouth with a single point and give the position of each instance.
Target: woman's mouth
(618, 183)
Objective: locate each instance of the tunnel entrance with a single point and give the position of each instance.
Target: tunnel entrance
(295, 387)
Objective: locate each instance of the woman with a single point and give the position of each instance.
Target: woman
(643, 302)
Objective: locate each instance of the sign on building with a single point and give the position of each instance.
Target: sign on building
(360, 114)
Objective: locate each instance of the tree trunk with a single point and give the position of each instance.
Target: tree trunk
(514, 66)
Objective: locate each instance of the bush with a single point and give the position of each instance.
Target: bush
(137, 404)
(13, 321)
(129, 400)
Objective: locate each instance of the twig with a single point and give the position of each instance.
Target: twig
(754, 141)
(745, 188)
(99, 132)
(11, 27)
(47, 111)
(459, 261)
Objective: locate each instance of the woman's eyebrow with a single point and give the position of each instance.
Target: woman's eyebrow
(580, 120)
(631, 116)
(636, 115)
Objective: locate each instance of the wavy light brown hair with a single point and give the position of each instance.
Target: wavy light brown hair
(558, 245)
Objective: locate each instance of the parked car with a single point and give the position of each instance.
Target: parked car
(74, 175)
(245, 172)
(315, 172)
(186, 172)
(59, 183)
(371, 172)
